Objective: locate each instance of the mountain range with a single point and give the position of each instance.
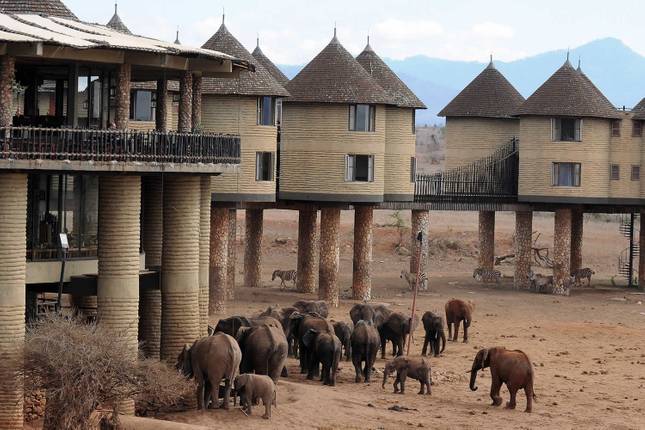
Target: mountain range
(614, 67)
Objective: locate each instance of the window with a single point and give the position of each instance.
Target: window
(566, 175)
(266, 110)
(636, 173)
(362, 117)
(414, 121)
(143, 105)
(359, 168)
(566, 129)
(413, 169)
(637, 128)
(278, 112)
(615, 128)
(614, 174)
(264, 166)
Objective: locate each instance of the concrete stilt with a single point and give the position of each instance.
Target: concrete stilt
(204, 252)
(232, 254)
(487, 240)
(161, 106)
(362, 264)
(7, 76)
(218, 261)
(122, 111)
(13, 266)
(329, 255)
(197, 102)
(562, 251)
(253, 248)
(186, 103)
(180, 264)
(577, 227)
(307, 244)
(523, 248)
(420, 221)
(641, 256)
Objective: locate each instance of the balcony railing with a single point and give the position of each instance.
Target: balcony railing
(67, 144)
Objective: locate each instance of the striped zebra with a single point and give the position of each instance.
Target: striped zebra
(411, 279)
(484, 275)
(580, 274)
(285, 275)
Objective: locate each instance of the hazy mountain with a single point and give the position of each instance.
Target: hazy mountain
(614, 67)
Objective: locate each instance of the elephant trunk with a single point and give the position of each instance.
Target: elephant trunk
(473, 377)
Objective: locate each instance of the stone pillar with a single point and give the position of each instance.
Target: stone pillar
(307, 244)
(161, 109)
(186, 103)
(180, 265)
(420, 221)
(7, 75)
(329, 255)
(13, 265)
(577, 227)
(561, 250)
(253, 248)
(197, 102)
(523, 248)
(151, 242)
(232, 254)
(362, 270)
(641, 255)
(122, 115)
(204, 253)
(219, 259)
(487, 240)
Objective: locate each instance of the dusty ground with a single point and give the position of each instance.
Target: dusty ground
(588, 349)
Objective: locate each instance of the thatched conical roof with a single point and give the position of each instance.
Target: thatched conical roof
(116, 23)
(568, 92)
(258, 83)
(489, 95)
(277, 74)
(334, 76)
(36, 7)
(399, 93)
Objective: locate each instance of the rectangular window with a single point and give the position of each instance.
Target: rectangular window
(636, 173)
(359, 168)
(414, 121)
(266, 110)
(142, 105)
(264, 166)
(566, 175)
(614, 172)
(278, 112)
(413, 169)
(566, 130)
(615, 128)
(362, 117)
(637, 128)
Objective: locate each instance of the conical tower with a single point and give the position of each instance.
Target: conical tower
(38, 7)
(116, 23)
(277, 74)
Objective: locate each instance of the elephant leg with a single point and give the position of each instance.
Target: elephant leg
(495, 386)
(304, 360)
(466, 332)
(356, 361)
(426, 341)
(383, 341)
(396, 383)
(422, 387)
(402, 376)
(227, 393)
(267, 407)
(528, 390)
(512, 390)
(456, 334)
(200, 394)
(449, 330)
(400, 346)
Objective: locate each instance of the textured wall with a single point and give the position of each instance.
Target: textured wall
(218, 259)
(185, 103)
(577, 229)
(307, 245)
(561, 250)
(420, 221)
(204, 252)
(487, 239)
(399, 148)
(232, 254)
(122, 115)
(523, 248)
(253, 248)
(13, 212)
(625, 151)
(197, 102)
(329, 255)
(362, 263)
(7, 74)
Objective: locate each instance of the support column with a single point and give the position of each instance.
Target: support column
(197, 102)
(180, 264)
(420, 221)
(186, 103)
(122, 115)
(161, 109)
(253, 248)
(641, 254)
(232, 254)
(307, 244)
(561, 251)
(7, 76)
(13, 266)
(577, 228)
(219, 259)
(487, 240)
(523, 248)
(362, 264)
(151, 242)
(329, 255)
(204, 252)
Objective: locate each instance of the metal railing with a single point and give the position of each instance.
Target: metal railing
(31, 143)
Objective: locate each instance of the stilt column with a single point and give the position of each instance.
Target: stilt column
(362, 264)
(562, 251)
(204, 252)
(487, 240)
(161, 106)
(577, 227)
(7, 76)
(197, 102)
(420, 222)
(329, 255)
(13, 265)
(641, 255)
(218, 261)
(180, 264)
(307, 244)
(186, 103)
(122, 115)
(523, 248)
(253, 248)
(232, 254)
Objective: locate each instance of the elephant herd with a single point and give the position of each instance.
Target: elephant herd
(249, 354)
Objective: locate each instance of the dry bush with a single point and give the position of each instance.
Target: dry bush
(82, 366)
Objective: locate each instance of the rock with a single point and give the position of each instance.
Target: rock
(281, 240)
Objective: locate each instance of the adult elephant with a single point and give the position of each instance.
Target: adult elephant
(282, 315)
(209, 360)
(323, 349)
(433, 325)
(365, 344)
(396, 329)
(457, 311)
(510, 367)
(231, 325)
(300, 324)
(312, 306)
(264, 350)
(377, 313)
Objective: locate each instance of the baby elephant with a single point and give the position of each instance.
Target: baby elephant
(415, 368)
(251, 388)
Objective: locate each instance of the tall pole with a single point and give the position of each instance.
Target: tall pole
(416, 289)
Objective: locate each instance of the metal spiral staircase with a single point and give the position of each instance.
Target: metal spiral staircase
(626, 267)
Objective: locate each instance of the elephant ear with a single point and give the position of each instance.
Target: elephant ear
(484, 357)
(309, 337)
(242, 334)
(184, 363)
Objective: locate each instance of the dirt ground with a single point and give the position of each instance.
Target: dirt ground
(588, 349)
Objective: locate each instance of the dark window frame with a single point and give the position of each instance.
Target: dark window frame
(351, 167)
(261, 175)
(636, 172)
(413, 169)
(352, 117)
(637, 128)
(266, 117)
(572, 133)
(576, 174)
(614, 172)
(134, 101)
(615, 128)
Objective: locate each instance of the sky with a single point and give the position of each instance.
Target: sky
(293, 32)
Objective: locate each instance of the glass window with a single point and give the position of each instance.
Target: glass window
(566, 129)
(636, 173)
(362, 117)
(566, 175)
(637, 128)
(89, 98)
(142, 105)
(359, 168)
(615, 128)
(414, 121)
(266, 110)
(614, 174)
(264, 166)
(413, 169)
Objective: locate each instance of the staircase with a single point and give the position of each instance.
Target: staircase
(626, 266)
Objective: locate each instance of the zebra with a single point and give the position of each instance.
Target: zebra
(411, 279)
(580, 274)
(285, 275)
(485, 275)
